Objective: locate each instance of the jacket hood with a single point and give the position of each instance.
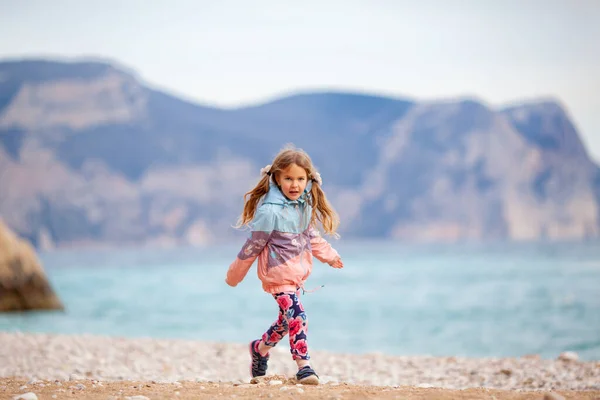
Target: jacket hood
(275, 196)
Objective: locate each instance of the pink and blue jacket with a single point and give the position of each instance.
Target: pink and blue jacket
(284, 242)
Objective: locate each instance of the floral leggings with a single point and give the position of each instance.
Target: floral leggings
(292, 319)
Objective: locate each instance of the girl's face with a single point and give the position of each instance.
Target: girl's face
(292, 181)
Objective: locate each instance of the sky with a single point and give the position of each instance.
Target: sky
(230, 53)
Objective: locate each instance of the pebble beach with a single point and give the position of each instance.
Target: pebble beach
(51, 358)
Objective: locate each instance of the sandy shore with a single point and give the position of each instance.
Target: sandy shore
(86, 366)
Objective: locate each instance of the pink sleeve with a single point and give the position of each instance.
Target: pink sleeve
(245, 258)
(238, 270)
(262, 227)
(321, 249)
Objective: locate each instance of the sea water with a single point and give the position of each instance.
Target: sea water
(494, 300)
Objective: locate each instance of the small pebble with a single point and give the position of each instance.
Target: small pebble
(26, 396)
(553, 396)
(424, 385)
(568, 356)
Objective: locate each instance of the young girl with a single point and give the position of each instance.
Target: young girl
(285, 240)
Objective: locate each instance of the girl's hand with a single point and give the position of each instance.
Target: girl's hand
(337, 263)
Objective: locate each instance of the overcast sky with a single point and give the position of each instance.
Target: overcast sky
(234, 52)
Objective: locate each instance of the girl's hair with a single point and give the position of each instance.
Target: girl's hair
(322, 210)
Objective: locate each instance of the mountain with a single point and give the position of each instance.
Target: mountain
(90, 156)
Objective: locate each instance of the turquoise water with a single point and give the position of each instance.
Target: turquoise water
(462, 300)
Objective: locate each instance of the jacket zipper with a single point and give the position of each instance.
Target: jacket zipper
(301, 240)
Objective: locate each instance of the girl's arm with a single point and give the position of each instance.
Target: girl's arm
(322, 250)
(262, 227)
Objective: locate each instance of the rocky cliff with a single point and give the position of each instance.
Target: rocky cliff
(89, 156)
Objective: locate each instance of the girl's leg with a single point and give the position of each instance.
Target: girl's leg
(298, 328)
(297, 321)
(275, 333)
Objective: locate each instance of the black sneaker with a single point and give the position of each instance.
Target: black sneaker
(307, 376)
(258, 367)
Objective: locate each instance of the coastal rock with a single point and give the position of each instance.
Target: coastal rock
(23, 282)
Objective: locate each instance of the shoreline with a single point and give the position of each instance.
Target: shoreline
(63, 357)
(150, 390)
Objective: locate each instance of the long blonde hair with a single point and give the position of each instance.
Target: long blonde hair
(322, 211)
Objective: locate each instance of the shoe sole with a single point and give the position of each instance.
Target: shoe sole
(309, 380)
